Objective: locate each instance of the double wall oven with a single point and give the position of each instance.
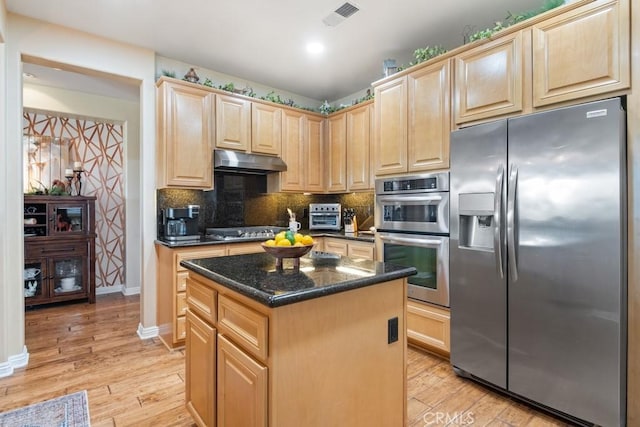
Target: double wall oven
(412, 222)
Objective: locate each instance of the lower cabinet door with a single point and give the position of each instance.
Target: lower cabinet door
(428, 326)
(242, 387)
(200, 370)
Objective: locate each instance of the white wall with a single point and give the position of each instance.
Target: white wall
(8, 349)
(80, 104)
(49, 42)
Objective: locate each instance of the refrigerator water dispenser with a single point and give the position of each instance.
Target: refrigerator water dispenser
(476, 221)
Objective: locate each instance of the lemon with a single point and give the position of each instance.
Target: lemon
(283, 242)
(298, 237)
(298, 244)
(270, 242)
(307, 240)
(280, 236)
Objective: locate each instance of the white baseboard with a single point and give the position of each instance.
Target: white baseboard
(126, 291)
(103, 290)
(16, 361)
(146, 333)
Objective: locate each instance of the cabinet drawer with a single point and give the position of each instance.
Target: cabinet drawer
(181, 304)
(245, 326)
(36, 250)
(201, 299)
(181, 280)
(335, 246)
(218, 250)
(428, 326)
(181, 328)
(361, 251)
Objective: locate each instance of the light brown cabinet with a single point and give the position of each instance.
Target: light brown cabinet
(314, 155)
(172, 284)
(428, 326)
(293, 151)
(200, 370)
(184, 133)
(271, 365)
(233, 123)
(241, 381)
(429, 117)
(581, 53)
(412, 122)
(336, 153)
(266, 129)
(348, 247)
(359, 148)
(490, 79)
(390, 140)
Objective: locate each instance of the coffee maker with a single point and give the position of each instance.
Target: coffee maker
(178, 224)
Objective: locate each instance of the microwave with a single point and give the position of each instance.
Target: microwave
(325, 216)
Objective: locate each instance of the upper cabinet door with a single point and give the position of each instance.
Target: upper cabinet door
(390, 139)
(185, 116)
(489, 79)
(337, 153)
(581, 53)
(359, 140)
(314, 155)
(429, 117)
(266, 129)
(293, 151)
(233, 123)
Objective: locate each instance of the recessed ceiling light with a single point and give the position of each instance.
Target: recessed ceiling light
(315, 48)
(28, 75)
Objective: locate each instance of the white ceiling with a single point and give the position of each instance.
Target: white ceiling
(264, 41)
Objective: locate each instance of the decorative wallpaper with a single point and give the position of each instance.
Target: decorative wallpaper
(99, 146)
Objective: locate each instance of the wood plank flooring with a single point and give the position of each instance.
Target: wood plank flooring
(131, 382)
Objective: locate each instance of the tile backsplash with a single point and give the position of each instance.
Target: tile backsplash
(240, 200)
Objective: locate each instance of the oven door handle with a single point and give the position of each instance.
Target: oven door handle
(421, 198)
(415, 242)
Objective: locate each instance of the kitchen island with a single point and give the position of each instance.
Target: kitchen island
(321, 345)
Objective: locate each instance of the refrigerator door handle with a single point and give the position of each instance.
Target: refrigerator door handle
(497, 219)
(511, 222)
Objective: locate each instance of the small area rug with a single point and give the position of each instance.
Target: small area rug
(71, 410)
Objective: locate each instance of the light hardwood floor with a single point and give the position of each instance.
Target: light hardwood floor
(131, 382)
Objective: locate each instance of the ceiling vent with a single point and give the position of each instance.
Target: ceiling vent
(340, 14)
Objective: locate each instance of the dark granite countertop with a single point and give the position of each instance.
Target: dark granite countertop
(363, 237)
(320, 274)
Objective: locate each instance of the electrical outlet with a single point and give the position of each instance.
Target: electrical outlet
(392, 330)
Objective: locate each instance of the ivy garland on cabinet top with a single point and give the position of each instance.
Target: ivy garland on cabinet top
(420, 55)
(424, 54)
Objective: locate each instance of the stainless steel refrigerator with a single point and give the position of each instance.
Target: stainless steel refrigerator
(537, 258)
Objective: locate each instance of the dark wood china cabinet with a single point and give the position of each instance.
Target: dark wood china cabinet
(59, 249)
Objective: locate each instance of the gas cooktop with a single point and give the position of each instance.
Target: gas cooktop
(243, 233)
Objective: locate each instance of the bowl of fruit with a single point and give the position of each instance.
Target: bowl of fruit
(288, 244)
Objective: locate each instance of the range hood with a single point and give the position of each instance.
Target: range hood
(238, 162)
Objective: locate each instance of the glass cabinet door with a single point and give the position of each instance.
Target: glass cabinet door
(68, 218)
(68, 275)
(34, 276)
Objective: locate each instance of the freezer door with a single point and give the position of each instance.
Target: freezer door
(566, 295)
(477, 279)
